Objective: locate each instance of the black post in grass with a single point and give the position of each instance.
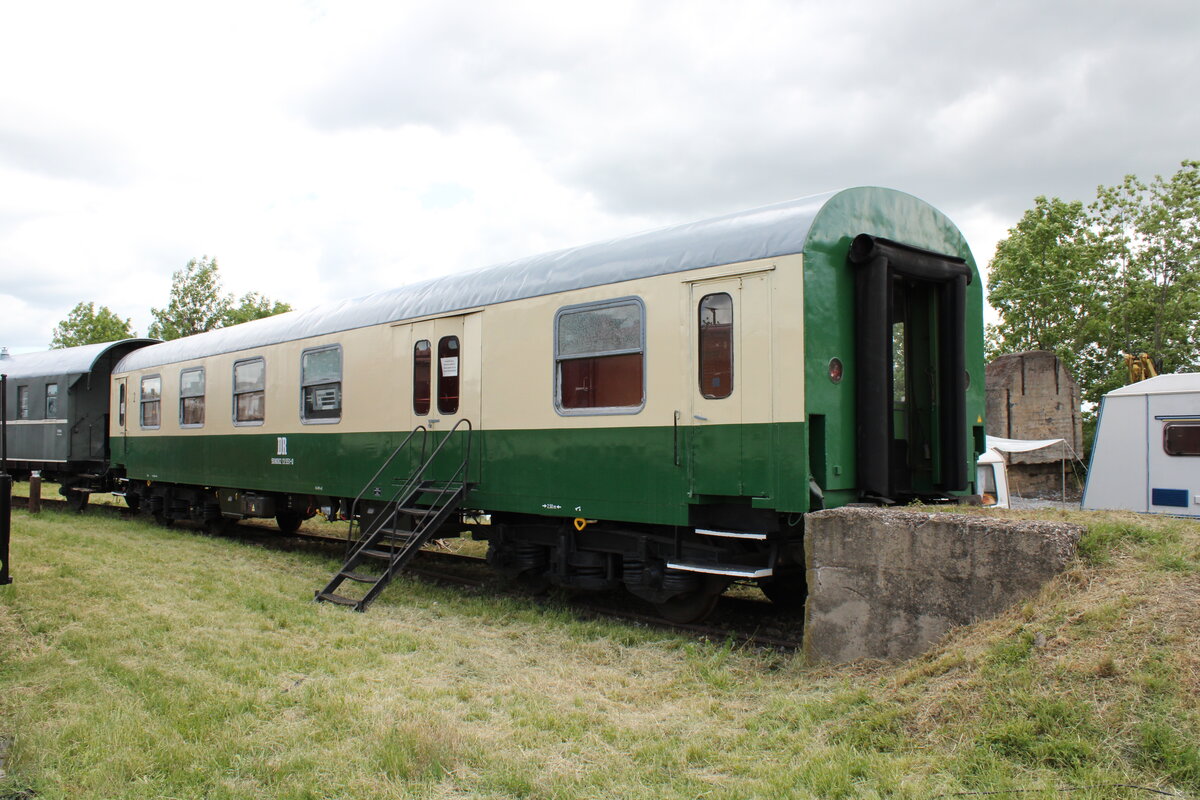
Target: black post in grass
(5, 485)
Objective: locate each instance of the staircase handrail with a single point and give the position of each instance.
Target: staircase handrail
(418, 475)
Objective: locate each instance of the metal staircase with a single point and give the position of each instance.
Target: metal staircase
(394, 530)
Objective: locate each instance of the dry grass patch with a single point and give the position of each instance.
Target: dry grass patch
(142, 662)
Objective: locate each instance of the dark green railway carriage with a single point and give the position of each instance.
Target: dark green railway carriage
(657, 411)
(57, 405)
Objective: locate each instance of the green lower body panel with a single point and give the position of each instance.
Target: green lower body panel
(649, 475)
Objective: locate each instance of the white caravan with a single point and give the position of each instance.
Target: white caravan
(1146, 456)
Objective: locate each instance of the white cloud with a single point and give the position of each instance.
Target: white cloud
(322, 150)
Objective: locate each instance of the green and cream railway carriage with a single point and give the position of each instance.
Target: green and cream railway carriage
(657, 411)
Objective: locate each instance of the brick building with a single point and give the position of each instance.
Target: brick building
(1031, 395)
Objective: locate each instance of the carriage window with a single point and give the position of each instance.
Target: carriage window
(716, 346)
(422, 364)
(191, 397)
(22, 402)
(599, 353)
(121, 404)
(151, 402)
(249, 391)
(51, 401)
(321, 384)
(1181, 438)
(448, 375)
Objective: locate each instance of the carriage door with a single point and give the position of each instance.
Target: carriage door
(120, 417)
(731, 355)
(911, 370)
(445, 356)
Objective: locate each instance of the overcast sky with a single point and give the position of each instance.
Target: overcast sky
(323, 150)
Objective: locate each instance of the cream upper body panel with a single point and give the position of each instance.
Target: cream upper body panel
(508, 363)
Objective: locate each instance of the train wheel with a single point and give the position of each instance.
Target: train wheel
(288, 521)
(162, 519)
(76, 501)
(788, 595)
(689, 607)
(216, 526)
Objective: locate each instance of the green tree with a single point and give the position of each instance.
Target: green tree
(87, 325)
(1152, 255)
(254, 306)
(197, 303)
(1119, 276)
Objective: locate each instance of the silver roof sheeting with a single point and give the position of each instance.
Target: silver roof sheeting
(67, 361)
(766, 232)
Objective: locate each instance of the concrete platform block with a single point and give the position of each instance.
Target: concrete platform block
(889, 583)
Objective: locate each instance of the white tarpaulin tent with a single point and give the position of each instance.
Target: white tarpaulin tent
(1023, 445)
(1002, 447)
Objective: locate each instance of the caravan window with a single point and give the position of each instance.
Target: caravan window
(1182, 438)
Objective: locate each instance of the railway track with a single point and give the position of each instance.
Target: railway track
(744, 622)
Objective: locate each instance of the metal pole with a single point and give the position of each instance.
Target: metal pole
(5, 485)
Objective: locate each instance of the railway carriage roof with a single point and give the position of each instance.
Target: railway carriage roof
(767, 232)
(67, 361)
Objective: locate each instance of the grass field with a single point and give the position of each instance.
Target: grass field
(141, 662)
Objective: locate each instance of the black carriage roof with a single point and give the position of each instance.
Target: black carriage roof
(67, 361)
(767, 232)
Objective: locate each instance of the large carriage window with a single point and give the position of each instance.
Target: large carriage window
(151, 402)
(716, 346)
(22, 402)
(1181, 438)
(51, 401)
(448, 375)
(422, 380)
(191, 397)
(249, 391)
(599, 352)
(321, 384)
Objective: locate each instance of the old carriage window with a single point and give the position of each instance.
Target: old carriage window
(599, 352)
(22, 402)
(422, 381)
(716, 346)
(448, 375)
(121, 404)
(191, 397)
(321, 384)
(249, 391)
(1182, 438)
(51, 401)
(151, 402)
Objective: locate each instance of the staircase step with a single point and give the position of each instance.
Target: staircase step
(388, 554)
(730, 534)
(360, 577)
(417, 511)
(330, 597)
(732, 570)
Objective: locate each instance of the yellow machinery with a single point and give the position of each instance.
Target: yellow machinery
(1140, 367)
